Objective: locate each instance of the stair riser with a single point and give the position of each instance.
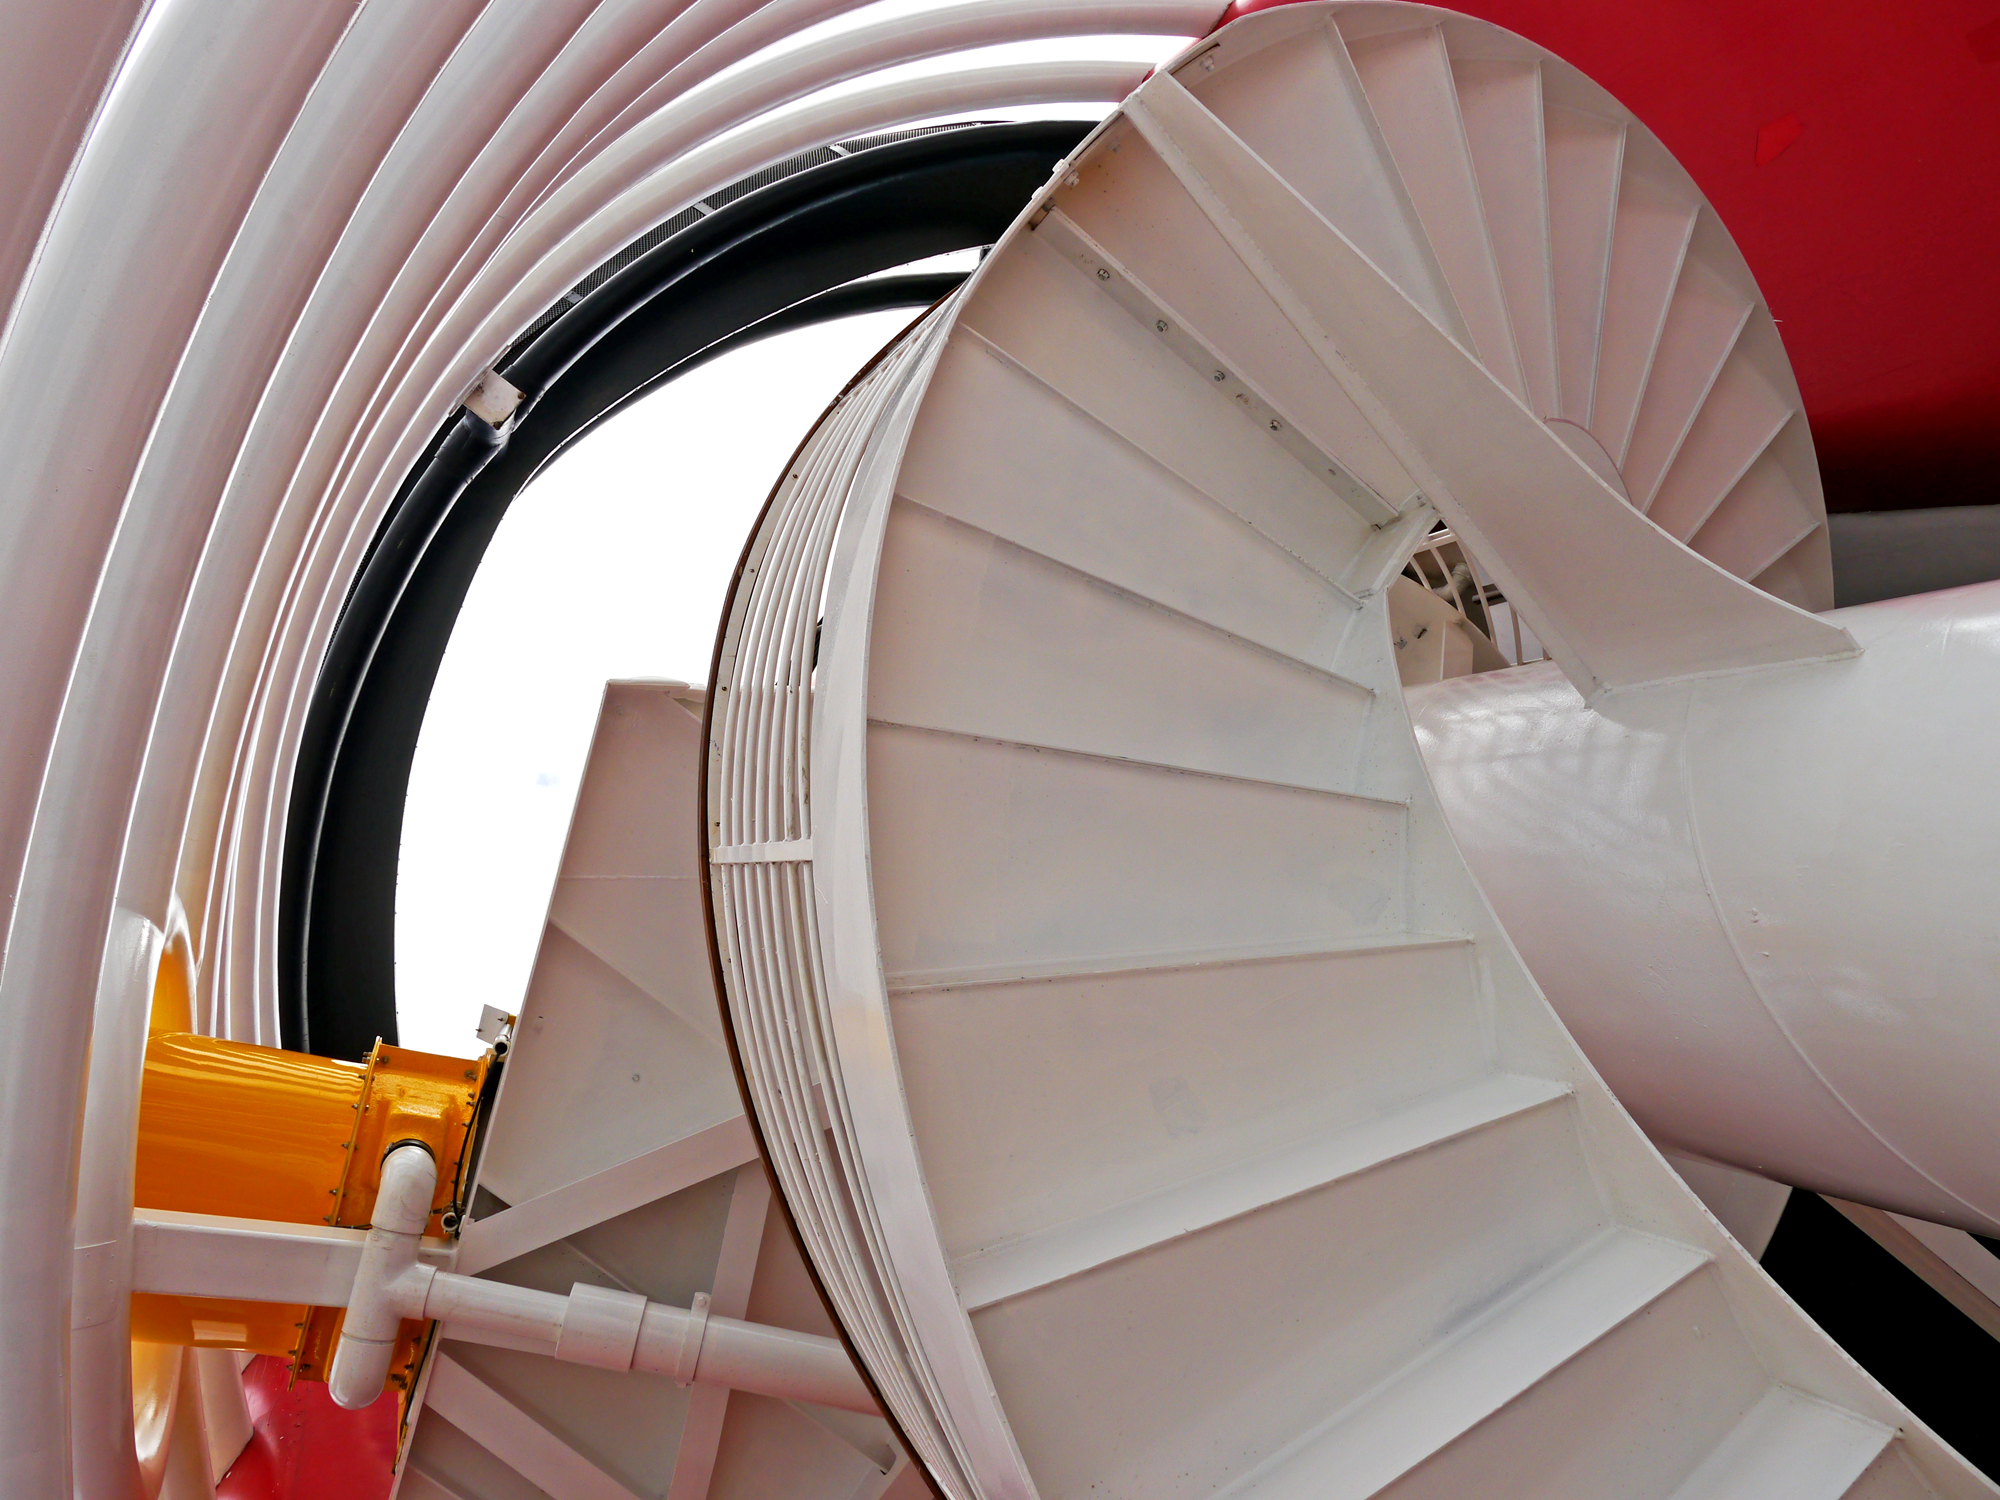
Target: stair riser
(1635, 1413)
(1295, 1311)
(1039, 311)
(1139, 217)
(1079, 858)
(1004, 454)
(1040, 1102)
(979, 636)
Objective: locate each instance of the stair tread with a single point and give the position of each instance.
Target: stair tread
(1288, 105)
(1008, 1270)
(1034, 493)
(1500, 102)
(1585, 154)
(1408, 79)
(1649, 241)
(1740, 417)
(1449, 418)
(1761, 519)
(1138, 763)
(1474, 1375)
(1704, 319)
(1125, 591)
(1141, 963)
(1788, 1447)
(1314, 448)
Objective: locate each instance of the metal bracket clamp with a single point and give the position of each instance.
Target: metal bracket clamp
(692, 1333)
(494, 399)
(600, 1327)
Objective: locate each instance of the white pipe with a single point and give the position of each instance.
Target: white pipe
(593, 1325)
(752, 1357)
(386, 1277)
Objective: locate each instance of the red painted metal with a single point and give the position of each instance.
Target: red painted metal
(306, 1448)
(1853, 149)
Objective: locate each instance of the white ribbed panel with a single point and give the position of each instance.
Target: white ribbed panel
(765, 911)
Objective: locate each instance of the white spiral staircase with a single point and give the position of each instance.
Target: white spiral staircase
(1161, 1103)
(1159, 1100)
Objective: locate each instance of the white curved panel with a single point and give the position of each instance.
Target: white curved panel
(294, 239)
(295, 151)
(1104, 1016)
(1763, 904)
(59, 62)
(678, 163)
(156, 194)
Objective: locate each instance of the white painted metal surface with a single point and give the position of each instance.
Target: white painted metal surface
(1763, 904)
(1188, 1116)
(286, 247)
(206, 1255)
(887, 1283)
(292, 242)
(619, 1168)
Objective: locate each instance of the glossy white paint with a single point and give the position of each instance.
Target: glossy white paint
(1489, 464)
(390, 1277)
(1763, 903)
(207, 1255)
(1749, 1206)
(1190, 1125)
(619, 1168)
(291, 242)
(268, 220)
(788, 998)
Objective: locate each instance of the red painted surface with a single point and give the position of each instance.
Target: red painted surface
(1853, 149)
(305, 1447)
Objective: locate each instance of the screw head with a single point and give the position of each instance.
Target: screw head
(1159, 325)
(1220, 377)
(1276, 424)
(1103, 274)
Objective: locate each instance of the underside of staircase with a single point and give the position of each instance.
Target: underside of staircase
(1159, 1100)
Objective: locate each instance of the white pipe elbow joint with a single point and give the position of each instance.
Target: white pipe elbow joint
(389, 1285)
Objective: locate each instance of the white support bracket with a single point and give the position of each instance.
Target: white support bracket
(494, 400)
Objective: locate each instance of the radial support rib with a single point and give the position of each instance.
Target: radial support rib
(1596, 579)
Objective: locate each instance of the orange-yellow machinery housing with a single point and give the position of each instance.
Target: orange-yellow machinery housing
(258, 1133)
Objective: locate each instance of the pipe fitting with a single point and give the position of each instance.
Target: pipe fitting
(593, 1325)
(389, 1284)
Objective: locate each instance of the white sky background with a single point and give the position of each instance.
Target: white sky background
(611, 564)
